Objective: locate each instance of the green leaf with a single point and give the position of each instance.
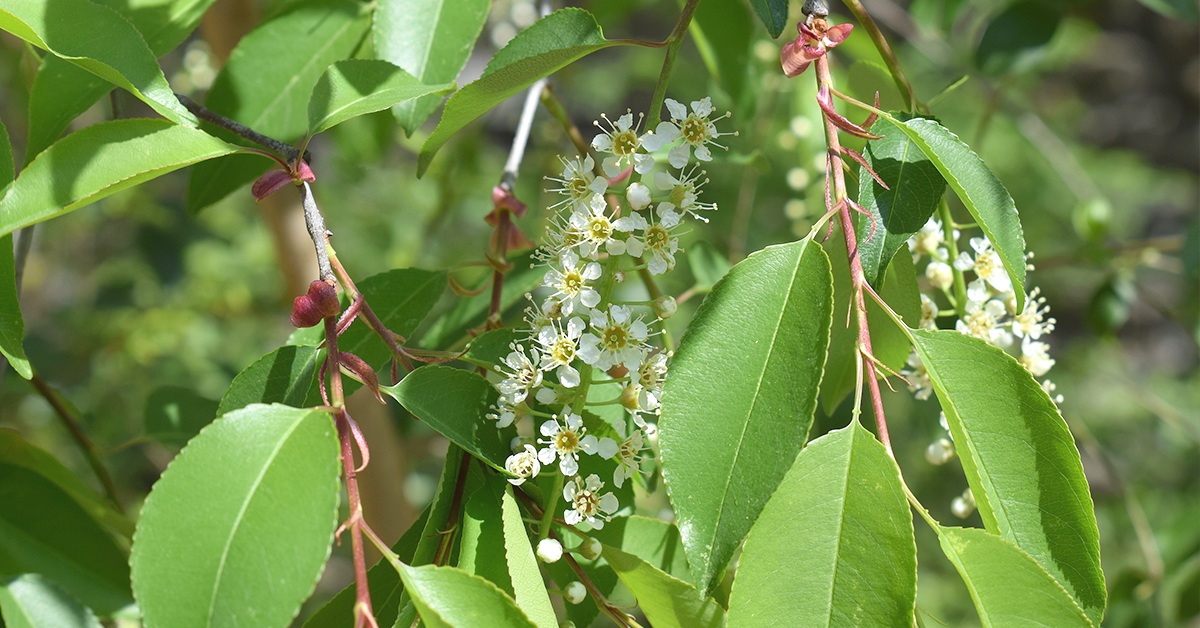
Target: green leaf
(1016, 35)
(1009, 589)
(447, 597)
(431, 41)
(652, 540)
(916, 188)
(530, 590)
(889, 343)
(773, 13)
(547, 46)
(44, 530)
(728, 441)
(287, 375)
(68, 29)
(238, 528)
(357, 87)
(493, 346)
(1185, 10)
(834, 546)
(382, 581)
(31, 601)
(174, 414)
(1019, 458)
(267, 82)
(16, 451)
(455, 403)
(100, 160)
(723, 32)
(12, 325)
(668, 602)
(163, 23)
(980, 191)
(707, 265)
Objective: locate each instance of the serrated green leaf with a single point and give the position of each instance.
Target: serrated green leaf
(493, 346)
(1019, 32)
(652, 540)
(267, 81)
(100, 160)
(287, 375)
(529, 588)
(728, 441)
(17, 451)
(68, 29)
(356, 87)
(915, 189)
(455, 403)
(173, 414)
(44, 530)
(431, 41)
(1019, 458)
(834, 546)
(1009, 589)
(31, 601)
(668, 602)
(978, 188)
(889, 344)
(547, 46)
(239, 526)
(773, 13)
(447, 597)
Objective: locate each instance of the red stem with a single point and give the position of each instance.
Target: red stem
(497, 274)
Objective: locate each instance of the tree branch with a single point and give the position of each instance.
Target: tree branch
(237, 128)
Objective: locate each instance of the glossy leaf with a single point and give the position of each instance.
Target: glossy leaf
(834, 546)
(668, 602)
(44, 530)
(1009, 589)
(529, 589)
(1019, 458)
(267, 82)
(287, 375)
(652, 540)
(723, 32)
(357, 87)
(979, 190)
(889, 343)
(493, 346)
(431, 41)
(551, 44)
(773, 13)
(163, 23)
(455, 403)
(61, 92)
(728, 441)
(447, 597)
(100, 160)
(915, 189)
(16, 451)
(239, 526)
(12, 325)
(1020, 31)
(68, 28)
(174, 414)
(31, 601)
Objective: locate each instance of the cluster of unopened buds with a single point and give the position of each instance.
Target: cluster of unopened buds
(580, 327)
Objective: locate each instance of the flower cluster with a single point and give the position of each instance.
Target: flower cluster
(989, 313)
(611, 222)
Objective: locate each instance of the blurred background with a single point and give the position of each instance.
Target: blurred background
(1089, 112)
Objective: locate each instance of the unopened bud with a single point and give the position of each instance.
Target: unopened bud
(963, 505)
(567, 624)
(638, 195)
(618, 276)
(575, 592)
(549, 550)
(591, 548)
(629, 398)
(665, 306)
(939, 452)
(320, 302)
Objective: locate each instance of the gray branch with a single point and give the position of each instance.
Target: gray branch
(316, 229)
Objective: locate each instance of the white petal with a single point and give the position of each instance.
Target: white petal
(506, 419)
(599, 185)
(638, 195)
(546, 456)
(596, 523)
(678, 111)
(549, 428)
(652, 142)
(702, 107)
(977, 290)
(634, 247)
(624, 224)
(568, 465)
(964, 261)
(591, 272)
(664, 181)
(703, 154)
(575, 326)
(657, 265)
(593, 483)
(618, 476)
(597, 202)
(608, 447)
(615, 247)
(625, 121)
(589, 297)
(643, 163)
(572, 518)
(678, 157)
(611, 167)
(574, 422)
(546, 395)
(590, 445)
(639, 330)
(602, 143)
(667, 131)
(568, 376)
(609, 503)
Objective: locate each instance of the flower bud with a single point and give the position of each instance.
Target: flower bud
(618, 276)
(665, 306)
(567, 624)
(575, 592)
(963, 505)
(320, 302)
(638, 195)
(590, 548)
(629, 398)
(939, 452)
(549, 551)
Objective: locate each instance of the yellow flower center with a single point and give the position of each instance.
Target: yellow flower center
(566, 441)
(625, 143)
(586, 504)
(615, 337)
(600, 229)
(563, 351)
(694, 130)
(656, 238)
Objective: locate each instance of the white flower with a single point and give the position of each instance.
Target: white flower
(1050, 387)
(570, 282)
(620, 340)
(559, 347)
(940, 275)
(524, 465)
(622, 141)
(1032, 321)
(629, 457)
(579, 184)
(982, 321)
(586, 503)
(649, 385)
(638, 195)
(696, 130)
(919, 382)
(1035, 356)
(929, 312)
(595, 229)
(506, 411)
(927, 240)
(987, 267)
(522, 377)
(660, 243)
(565, 440)
(683, 194)
(575, 592)
(549, 550)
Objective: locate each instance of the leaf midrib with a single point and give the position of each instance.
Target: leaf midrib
(334, 38)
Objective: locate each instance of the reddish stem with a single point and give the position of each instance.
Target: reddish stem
(498, 275)
(856, 271)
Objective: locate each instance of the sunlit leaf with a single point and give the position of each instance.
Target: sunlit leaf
(356, 87)
(31, 601)
(668, 602)
(287, 375)
(447, 597)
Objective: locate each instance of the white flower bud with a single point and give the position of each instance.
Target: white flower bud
(549, 550)
(629, 398)
(638, 195)
(567, 624)
(516, 444)
(590, 548)
(939, 452)
(963, 505)
(665, 306)
(575, 592)
(618, 276)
